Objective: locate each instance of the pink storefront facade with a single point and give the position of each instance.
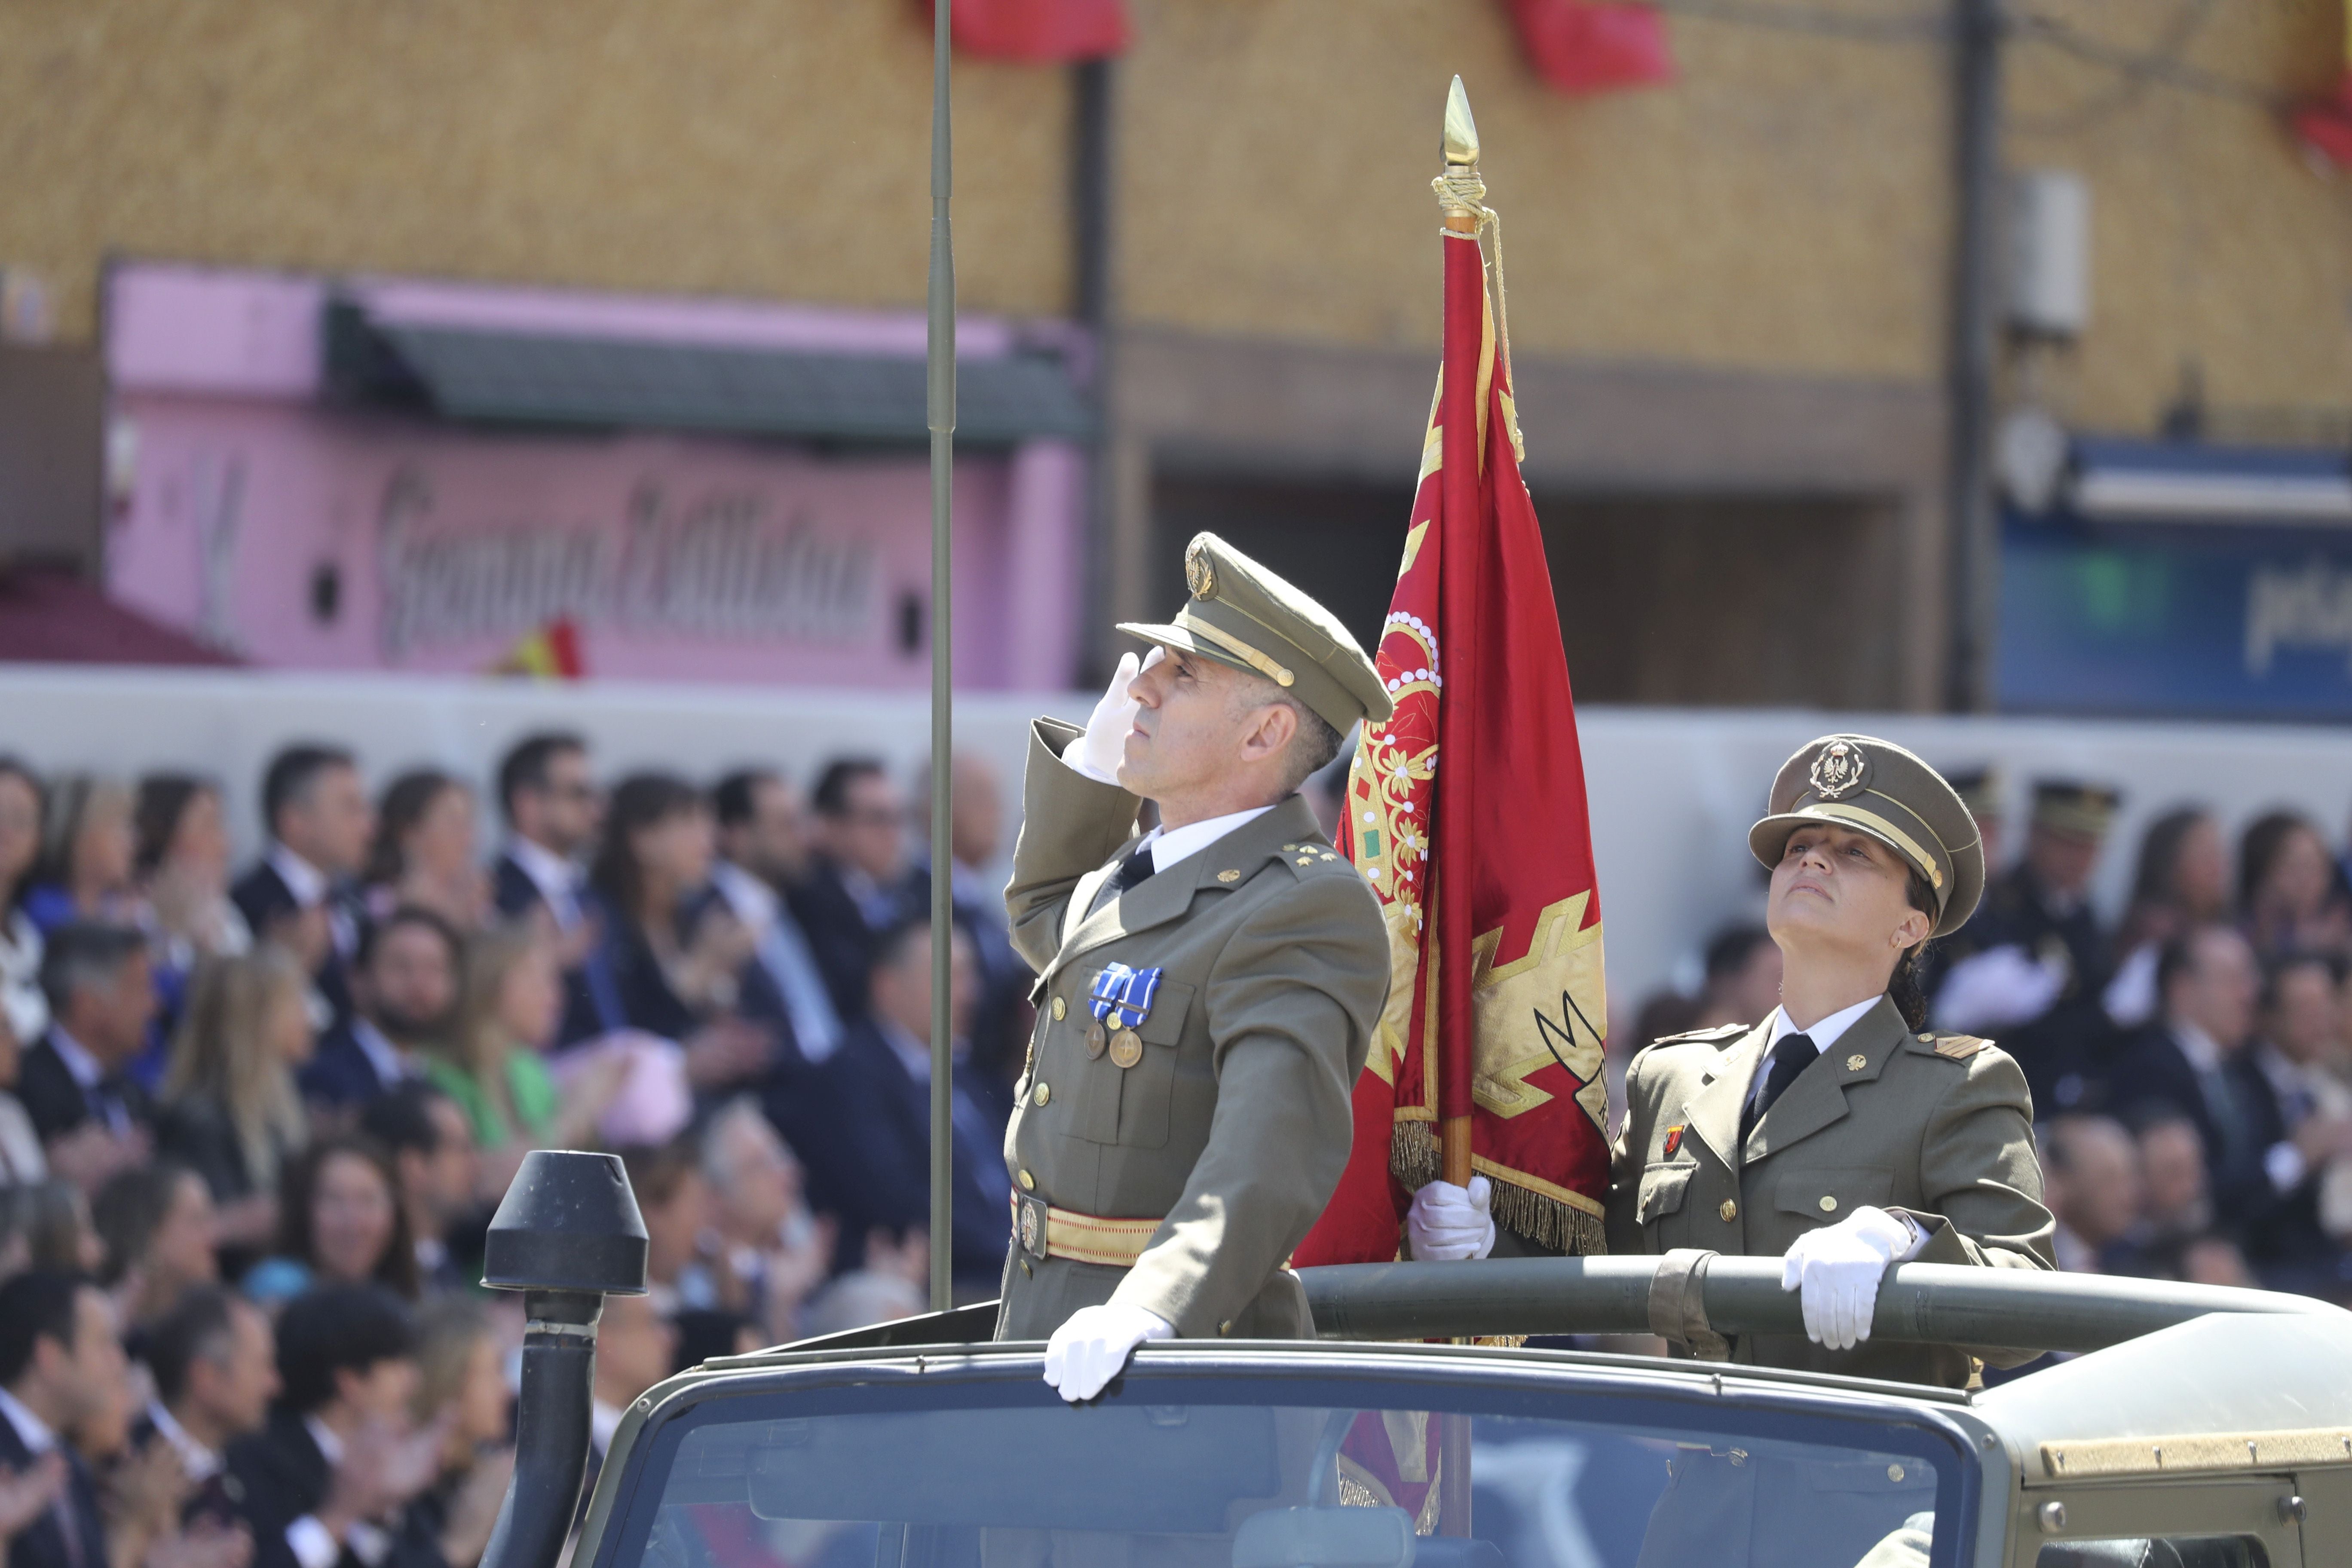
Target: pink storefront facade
(255, 505)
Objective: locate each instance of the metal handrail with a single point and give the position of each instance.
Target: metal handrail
(1919, 1303)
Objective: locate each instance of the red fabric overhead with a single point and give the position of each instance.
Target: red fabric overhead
(1041, 32)
(54, 618)
(2326, 126)
(1583, 46)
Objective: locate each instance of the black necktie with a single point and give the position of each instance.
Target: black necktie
(1131, 870)
(1792, 1056)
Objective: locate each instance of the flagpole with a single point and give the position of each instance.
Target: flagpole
(941, 411)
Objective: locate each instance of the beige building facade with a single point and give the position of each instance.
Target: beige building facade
(1730, 297)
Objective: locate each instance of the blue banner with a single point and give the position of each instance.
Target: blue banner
(2175, 619)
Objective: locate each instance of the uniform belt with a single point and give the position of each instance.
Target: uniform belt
(1044, 1231)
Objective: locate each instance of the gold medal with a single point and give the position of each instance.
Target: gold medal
(1127, 1048)
(1097, 1039)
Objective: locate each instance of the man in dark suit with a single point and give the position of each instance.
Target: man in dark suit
(553, 809)
(762, 850)
(439, 1166)
(871, 1156)
(328, 1481)
(2194, 1061)
(1001, 1014)
(404, 991)
(215, 1368)
(856, 886)
(93, 1119)
(61, 1367)
(301, 896)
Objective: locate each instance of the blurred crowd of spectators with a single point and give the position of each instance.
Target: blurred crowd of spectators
(253, 1125)
(2191, 1064)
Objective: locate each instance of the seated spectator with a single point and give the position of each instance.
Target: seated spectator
(460, 1370)
(856, 886)
(85, 872)
(548, 795)
(439, 1170)
(2300, 1243)
(2182, 881)
(93, 1121)
(160, 1232)
(2194, 1063)
(423, 851)
(23, 1010)
(2290, 899)
(674, 955)
(405, 982)
(58, 1231)
(215, 1361)
(2031, 967)
(493, 1063)
(340, 1224)
(2090, 1180)
(21, 1159)
(231, 1111)
(183, 861)
(635, 1347)
(2176, 1200)
(773, 1242)
(62, 1372)
(871, 1158)
(301, 896)
(764, 850)
(328, 1480)
(675, 1201)
(1001, 1014)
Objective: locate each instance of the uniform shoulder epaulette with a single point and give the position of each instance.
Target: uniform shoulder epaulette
(1721, 1035)
(1954, 1048)
(1310, 854)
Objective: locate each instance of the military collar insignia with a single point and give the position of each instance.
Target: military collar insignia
(1839, 770)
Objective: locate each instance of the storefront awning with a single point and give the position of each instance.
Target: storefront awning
(2178, 481)
(496, 377)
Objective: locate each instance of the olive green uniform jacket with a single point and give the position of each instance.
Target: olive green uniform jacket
(1938, 1127)
(1234, 1126)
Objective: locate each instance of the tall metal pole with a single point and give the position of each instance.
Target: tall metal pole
(1975, 533)
(941, 411)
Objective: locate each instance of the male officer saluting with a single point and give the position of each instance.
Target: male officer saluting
(1206, 991)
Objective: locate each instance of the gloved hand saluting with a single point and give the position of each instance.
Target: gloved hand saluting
(1447, 1223)
(1087, 1352)
(1837, 1268)
(1099, 751)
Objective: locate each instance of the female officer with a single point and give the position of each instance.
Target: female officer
(1837, 1132)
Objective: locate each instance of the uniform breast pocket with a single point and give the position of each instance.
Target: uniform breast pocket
(1827, 1195)
(1662, 1191)
(1149, 1088)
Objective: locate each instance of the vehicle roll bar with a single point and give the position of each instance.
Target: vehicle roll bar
(1686, 1296)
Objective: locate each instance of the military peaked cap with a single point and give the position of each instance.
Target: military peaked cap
(1241, 615)
(1876, 787)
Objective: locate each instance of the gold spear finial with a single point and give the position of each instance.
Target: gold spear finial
(1461, 130)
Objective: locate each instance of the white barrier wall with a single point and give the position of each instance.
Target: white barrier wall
(1673, 791)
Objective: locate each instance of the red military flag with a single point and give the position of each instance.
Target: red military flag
(1483, 867)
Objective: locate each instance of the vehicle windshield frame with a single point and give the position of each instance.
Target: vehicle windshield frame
(1730, 1406)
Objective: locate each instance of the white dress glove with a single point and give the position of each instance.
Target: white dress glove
(1087, 1352)
(1099, 751)
(1998, 988)
(1447, 1223)
(1838, 1267)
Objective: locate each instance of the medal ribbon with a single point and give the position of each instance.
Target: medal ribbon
(1122, 997)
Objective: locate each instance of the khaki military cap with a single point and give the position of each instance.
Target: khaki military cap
(1876, 787)
(2078, 810)
(1241, 615)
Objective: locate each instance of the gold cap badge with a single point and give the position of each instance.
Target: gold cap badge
(1839, 770)
(1200, 576)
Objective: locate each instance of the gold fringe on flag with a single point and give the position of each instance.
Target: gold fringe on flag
(1417, 1158)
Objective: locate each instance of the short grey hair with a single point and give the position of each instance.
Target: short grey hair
(1315, 746)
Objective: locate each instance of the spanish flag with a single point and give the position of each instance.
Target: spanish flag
(1482, 865)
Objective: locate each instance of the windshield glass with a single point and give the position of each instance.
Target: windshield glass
(1192, 1472)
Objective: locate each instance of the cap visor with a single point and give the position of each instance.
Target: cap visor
(1183, 641)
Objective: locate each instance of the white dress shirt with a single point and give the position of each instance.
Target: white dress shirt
(315, 1546)
(782, 951)
(557, 878)
(31, 1430)
(87, 1075)
(1170, 846)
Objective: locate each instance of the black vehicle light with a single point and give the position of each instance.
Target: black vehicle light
(567, 1235)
